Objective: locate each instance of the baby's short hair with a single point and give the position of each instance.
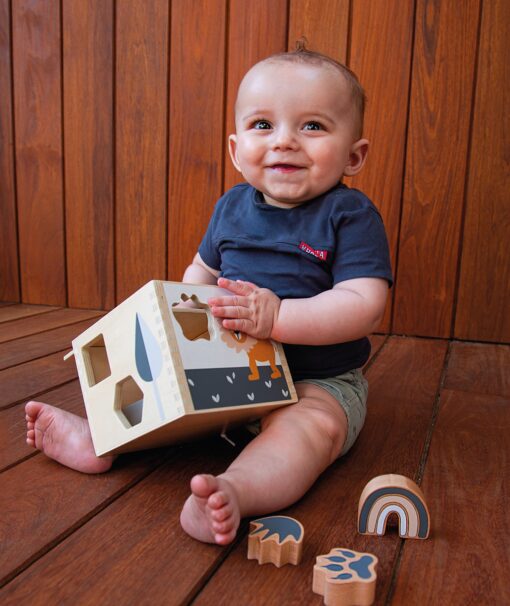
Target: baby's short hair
(304, 56)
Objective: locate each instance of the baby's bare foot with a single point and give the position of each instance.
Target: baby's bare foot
(63, 437)
(211, 514)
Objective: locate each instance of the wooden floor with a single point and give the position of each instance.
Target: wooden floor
(439, 412)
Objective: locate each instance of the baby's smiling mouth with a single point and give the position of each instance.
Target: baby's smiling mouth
(285, 168)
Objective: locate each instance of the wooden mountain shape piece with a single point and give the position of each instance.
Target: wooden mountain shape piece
(345, 577)
(276, 539)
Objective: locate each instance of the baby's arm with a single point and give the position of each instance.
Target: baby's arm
(200, 273)
(351, 310)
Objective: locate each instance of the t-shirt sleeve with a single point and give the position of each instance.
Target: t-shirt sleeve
(362, 247)
(208, 249)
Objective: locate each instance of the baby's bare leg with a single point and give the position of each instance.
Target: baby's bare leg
(64, 437)
(296, 445)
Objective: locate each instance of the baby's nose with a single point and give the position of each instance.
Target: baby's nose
(284, 138)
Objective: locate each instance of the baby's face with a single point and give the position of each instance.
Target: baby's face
(295, 131)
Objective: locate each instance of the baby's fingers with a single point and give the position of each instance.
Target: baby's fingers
(227, 302)
(230, 311)
(238, 287)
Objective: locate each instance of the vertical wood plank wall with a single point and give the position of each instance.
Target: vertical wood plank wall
(114, 122)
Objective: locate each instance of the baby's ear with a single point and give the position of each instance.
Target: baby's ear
(232, 148)
(357, 157)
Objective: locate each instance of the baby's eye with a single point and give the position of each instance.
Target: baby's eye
(312, 125)
(261, 125)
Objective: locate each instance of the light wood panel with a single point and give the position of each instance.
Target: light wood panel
(148, 127)
(439, 122)
(325, 25)
(484, 291)
(88, 135)
(38, 116)
(197, 81)
(141, 101)
(252, 36)
(380, 55)
(9, 265)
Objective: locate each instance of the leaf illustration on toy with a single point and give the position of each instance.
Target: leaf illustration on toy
(149, 361)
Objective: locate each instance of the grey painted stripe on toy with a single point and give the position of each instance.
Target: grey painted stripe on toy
(226, 387)
(422, 512)
(282, 526)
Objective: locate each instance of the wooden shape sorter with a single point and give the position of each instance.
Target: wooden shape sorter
(160, 369)
(276, 539)
(345, 577)
(393, 494)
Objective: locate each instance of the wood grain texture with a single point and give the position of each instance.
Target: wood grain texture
(380, 55)
(141, 101)
(325, 26)
(442, 85)
(13, 428)
(9, 261)
(41, 344)
(30, 379)
(403, 385)
(16, 312)
(39, 323)
(484, 290)
(88, 135)
(466, 482)
(479, 368)
(255, 31)
(42, 501)
(197, 76)
(37, 109)
(151, 559)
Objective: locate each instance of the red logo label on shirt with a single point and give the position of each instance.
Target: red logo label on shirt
(320, 254)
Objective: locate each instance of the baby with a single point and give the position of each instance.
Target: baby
(306, 261)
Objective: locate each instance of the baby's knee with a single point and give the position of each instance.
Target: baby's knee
(331, 425)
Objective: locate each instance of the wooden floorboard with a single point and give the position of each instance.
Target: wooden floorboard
(479, 368)
(13, 425)
(404, 382)
(467, 486)
(29, 380)
(438, 412)
(135, 548)
(16, 312)
(16, 329)
(41, 344)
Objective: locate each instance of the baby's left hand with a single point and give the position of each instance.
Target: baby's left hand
(251, 309)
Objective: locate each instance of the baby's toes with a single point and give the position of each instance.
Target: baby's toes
(218, 500)
(31, 437)
(223, 527)
(219, 515)
(222, 538)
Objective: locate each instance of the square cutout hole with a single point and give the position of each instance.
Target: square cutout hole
(96, 361)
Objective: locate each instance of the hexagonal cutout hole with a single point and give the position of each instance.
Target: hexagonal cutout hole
(96, 361)
(128, 402)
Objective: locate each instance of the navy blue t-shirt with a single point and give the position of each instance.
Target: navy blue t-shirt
(298, 253)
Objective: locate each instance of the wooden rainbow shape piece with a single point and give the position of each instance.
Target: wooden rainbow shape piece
(345, 577)
(276, 539)
(388, 494)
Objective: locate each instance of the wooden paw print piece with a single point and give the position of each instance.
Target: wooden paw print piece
(345, 577)
(276, 539)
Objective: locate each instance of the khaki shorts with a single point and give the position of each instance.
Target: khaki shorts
(350, 390)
